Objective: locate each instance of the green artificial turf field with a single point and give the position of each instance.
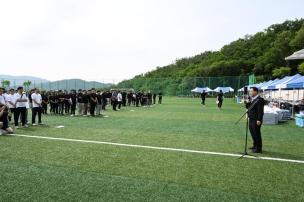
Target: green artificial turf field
(34, 169)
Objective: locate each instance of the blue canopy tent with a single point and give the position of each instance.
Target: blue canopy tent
(297, 83)
(253, 85)
(266, 84)
(272, 86)
(283, 85)
(258, 85)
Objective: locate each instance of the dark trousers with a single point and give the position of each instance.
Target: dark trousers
(256, 135)
(73, 108)
(203, 101)
(67, 108)
(160, 100)
(61, 108)
(103, 105)
(220, 103)
(12, 110)
(4, 120)
(92, 109)
(20, 111)
(35, 111)
(52, 108)
(119, 104)
(114, 104)
(56, 106)
(44, 108)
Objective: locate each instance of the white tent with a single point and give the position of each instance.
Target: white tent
(241, 89)
(299, 55)
(200, 90)
(224, 89)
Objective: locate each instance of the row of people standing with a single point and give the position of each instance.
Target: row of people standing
(136, 99)
(17, 104)
(61, 102)
(92, 102)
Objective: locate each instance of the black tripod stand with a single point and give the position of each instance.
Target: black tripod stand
(247, 126)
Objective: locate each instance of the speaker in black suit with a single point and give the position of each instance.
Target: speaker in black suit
(255, 115)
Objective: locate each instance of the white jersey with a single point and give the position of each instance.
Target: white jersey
(20, 96)
(11, 99)
(2, 100)
(119, 97)
(36, 100)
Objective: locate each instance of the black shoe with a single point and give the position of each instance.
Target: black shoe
(257, 151)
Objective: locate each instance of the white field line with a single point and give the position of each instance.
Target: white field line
(162, 148)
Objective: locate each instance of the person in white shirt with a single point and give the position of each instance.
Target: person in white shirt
(5, 94)
(37, 107)
(21, 102)
(2, 97)
(10, 102)
(119, 99)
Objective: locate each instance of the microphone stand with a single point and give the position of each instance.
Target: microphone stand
(247, 126)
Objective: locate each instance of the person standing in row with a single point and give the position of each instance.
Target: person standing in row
(104, 100)
(119, 99)
(61, 98)
(203, 97)
(73, 102)
(11, 103)
(124, 98)
(37, 107)
(160, 97)
(80, 102)
(56, 103)
(99, 103)
(220, 98)
(93, 102)
(21, 101)
(114, 100)
(85, 101)
(67, 102)
(45, 102)
(154, 98)
(2, 97)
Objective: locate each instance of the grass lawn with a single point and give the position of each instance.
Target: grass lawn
(52, 170)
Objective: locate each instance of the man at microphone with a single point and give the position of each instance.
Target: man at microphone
(255, 113)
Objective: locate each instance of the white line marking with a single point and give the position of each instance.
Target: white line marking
(162, 148)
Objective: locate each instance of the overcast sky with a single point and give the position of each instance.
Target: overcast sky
(118, 39)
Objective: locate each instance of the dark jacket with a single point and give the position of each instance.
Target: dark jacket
(257, 112)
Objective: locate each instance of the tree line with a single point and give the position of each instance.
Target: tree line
(262, 54)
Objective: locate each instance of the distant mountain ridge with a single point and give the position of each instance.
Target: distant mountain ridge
(22, 78)
(66, 84)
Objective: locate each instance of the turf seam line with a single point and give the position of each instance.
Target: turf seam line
(161, 148)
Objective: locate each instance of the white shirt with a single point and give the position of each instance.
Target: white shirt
(2, 99)
(36, 97)
(18, 96)
(5, 96)
(10, 98)
(255, 97)
(119, 97)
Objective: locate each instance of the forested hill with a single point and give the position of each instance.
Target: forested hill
(261, 54)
